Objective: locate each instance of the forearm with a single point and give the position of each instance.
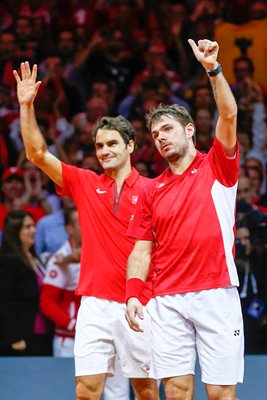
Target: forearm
(137, 272)
(227, 109)
(33, 140)
(50, 307)
(139, 262)
(225, 101)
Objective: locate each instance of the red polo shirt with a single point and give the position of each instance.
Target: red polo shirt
(104, 219)
(191, 218)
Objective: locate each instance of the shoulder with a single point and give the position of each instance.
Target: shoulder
(76, 175)
(77, 170)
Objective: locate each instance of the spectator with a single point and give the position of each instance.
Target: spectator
(66, 50)
(13, 189)
(246, 90)
(252, 301)
(24, 330)
(35, 9)
(8, 61)
(255, 166)
(23, 33)
(58, 98)
(58, 301)
(257, 9)
(202, 97)
(157, 66)
(50, 230)
(106, 89)
(205, 129)
(157, 90)
(255, 159)
(109, 54)
(38, 192)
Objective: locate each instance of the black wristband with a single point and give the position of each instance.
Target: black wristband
(215, 71)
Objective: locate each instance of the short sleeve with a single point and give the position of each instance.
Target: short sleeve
(225, 169)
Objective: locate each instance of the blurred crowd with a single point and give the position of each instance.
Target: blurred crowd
(111, 57)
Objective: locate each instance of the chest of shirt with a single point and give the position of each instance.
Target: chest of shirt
(180, 196)
(102, 204)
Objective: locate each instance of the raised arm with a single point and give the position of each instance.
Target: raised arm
(35, 145)
(137, 272)
(206, 52)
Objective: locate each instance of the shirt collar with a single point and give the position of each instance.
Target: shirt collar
(169, 173)
(129, 181)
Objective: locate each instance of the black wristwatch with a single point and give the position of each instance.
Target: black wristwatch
(215, 71)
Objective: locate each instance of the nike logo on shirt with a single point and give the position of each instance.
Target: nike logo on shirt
(98, 190)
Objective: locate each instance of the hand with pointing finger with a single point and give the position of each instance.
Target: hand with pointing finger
(206, 52)
(27, 87)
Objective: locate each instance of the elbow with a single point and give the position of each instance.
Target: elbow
(230, 116)
(36, 156)
(233, 113)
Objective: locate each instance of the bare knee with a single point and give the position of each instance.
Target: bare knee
(89, 387)
(179, 388)
(221, 392)
(145, 389)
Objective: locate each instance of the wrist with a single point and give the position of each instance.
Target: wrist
(134, 288)
(215, 71)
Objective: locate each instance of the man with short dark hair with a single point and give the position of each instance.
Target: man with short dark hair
(105, 204)
(186, 217)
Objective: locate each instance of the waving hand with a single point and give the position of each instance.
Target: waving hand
(27, 87)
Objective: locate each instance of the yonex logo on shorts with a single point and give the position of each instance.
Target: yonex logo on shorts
(237, 332)
(194, 171)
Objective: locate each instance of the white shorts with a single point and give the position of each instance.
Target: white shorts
(116, 388)
(102, 332)
(207, 323)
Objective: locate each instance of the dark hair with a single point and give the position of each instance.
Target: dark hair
(10, 239)
(119, 124)
(179, 113)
